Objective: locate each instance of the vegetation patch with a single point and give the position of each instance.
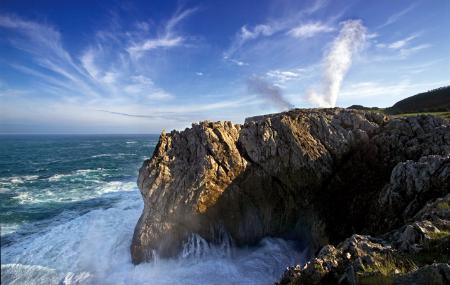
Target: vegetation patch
(444, 206)
(435, 251)
(384, 268)
(437, 114)
(439, 234)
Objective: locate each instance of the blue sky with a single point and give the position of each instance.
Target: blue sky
(141, 66)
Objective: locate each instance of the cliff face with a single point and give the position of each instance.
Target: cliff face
(255, 180)
(317, 175)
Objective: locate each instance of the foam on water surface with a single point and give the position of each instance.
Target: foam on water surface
(94, 249)
(69, 206)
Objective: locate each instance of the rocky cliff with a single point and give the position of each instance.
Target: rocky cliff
(317, 175)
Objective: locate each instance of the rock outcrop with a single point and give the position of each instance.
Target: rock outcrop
(317, 175)
(419, 252)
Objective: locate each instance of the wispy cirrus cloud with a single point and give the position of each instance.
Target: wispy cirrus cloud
(405, 47)
(309, 30)
(168, 38)
(395, 17)
(43, 43)
(399, 43)
(105, 75)
(384, 92)
(270, 28)
(282, 76)
(103, 70)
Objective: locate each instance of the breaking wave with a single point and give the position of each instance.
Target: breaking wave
(94, 249)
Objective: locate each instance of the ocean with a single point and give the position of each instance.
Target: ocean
(68, 208)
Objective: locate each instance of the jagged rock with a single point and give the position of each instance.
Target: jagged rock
(358, 178)
(436, 274)
(339, 265)
(254, 179)
(305, 174)
(412, 184)
(429, 223)
(410, 138)
(399, 256)
(187, 174)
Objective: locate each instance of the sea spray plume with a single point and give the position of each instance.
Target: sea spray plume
(337, 62)
(268, 91)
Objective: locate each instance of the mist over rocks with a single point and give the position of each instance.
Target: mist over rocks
(313, 175)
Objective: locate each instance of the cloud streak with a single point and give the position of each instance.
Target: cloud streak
(395, 17)
(104, 71)
(167, 39)
(163, 115)
(269, 28)
(310, 30)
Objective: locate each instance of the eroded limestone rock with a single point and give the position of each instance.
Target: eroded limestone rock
(313, 175)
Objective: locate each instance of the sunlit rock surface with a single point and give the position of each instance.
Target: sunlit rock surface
(315, 175)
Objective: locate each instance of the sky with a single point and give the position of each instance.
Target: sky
(145, 66)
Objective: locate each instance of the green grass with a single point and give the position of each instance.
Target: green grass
(388, 264)
(439, 235)
(376, 280)
(437, 114)
(435, 250)
(445, 114)
(443, 206)
(384, 268)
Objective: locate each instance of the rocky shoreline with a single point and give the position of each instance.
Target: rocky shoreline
(368, 193)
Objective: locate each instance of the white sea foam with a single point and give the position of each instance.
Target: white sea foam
(126, 154)
(94, 189)
(8, 228)
(101, 155)
(4, 190)
(18, 179)
(57, 177)
(80, 173)
(116, 186)
(94, 249)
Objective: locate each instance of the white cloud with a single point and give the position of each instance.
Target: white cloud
(403, 46)
(150, 44)
(405, 52)
(395, 17)
(167, 39)
(270, 28)
(400, 43)
(257, 31)
(199, 73)
(43, 43)
(282, 76)
(104, 71)
(310, 30)
(104, 77)
(374, 89)
(385, 92)
(235, 61)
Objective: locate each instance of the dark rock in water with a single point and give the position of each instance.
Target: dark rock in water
(317, 175)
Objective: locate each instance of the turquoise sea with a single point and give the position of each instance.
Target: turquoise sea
(68, 207)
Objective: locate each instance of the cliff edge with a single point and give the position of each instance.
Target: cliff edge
(316, 175)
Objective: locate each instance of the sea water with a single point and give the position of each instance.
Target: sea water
(68, 208)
